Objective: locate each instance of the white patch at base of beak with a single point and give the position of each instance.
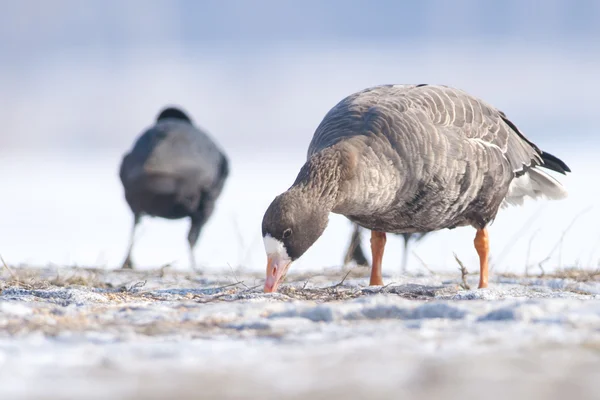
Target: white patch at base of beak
(274, 247)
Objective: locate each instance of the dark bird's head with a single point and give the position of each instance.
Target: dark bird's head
(291, 224)
(173, 113)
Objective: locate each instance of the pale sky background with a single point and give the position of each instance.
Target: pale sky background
(80, 80)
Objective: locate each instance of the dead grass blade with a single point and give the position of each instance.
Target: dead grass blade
(340, 283)
(423, 264)
(463, 273)
(559, 243)
(10, 271)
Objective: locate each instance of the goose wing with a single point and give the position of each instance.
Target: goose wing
(410, 110)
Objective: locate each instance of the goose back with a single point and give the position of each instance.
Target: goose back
(423, 157)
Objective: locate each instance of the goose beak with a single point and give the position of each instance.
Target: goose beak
(276, 270)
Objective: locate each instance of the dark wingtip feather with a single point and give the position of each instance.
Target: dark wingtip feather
(554, 163)
(550, 162)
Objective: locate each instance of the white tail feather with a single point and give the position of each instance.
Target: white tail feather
(534, 184)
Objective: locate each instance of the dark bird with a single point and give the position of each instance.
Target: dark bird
(355, 252)
(407, 159)
(174, 171)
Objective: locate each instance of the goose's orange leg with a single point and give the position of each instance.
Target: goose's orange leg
(377, 245)
(482, 245)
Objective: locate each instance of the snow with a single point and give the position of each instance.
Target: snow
(95, 334)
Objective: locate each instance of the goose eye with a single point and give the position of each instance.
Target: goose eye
(287, 233)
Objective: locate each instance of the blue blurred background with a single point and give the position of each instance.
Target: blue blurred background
(80, 80)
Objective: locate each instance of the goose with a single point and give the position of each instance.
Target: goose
(173, 171)
(407, 159)
(355, 252)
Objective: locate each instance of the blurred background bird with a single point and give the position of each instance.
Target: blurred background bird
(173, 171)
(355, 251)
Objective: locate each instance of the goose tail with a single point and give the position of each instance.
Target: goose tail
(537, 183)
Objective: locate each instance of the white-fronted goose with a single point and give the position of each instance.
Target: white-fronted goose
(407, 158)
(173, 171)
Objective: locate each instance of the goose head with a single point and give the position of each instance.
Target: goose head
(291, 224)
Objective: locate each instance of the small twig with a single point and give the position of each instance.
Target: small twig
(220, 295)
(135, 286)
(235, 276)
(238, 234)
(251, 288)
(244, 249)
(542, 272)
(463, 272)
(558, 245)
(305, 283)
(163, 269)
(386, 286)
(230, 285)
(342, 281)
(165, 265)
(10, 271)
(529, 252)
(518, 235)
(423, 264)
(207, 299)
(211, 298)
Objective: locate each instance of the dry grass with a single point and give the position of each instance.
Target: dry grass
(333, 293)
(576, 274)
(118, 286)
(133, 286)
(30, 279)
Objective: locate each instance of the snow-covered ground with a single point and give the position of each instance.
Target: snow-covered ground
(78, 333)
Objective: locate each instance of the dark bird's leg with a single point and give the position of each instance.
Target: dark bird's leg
(205, 210)
(377, 245)
(406, 237)
(355, 251)
(482, 245)
(193, 238)
(128, 264)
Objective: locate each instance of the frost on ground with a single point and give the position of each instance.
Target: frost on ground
(71, 333)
